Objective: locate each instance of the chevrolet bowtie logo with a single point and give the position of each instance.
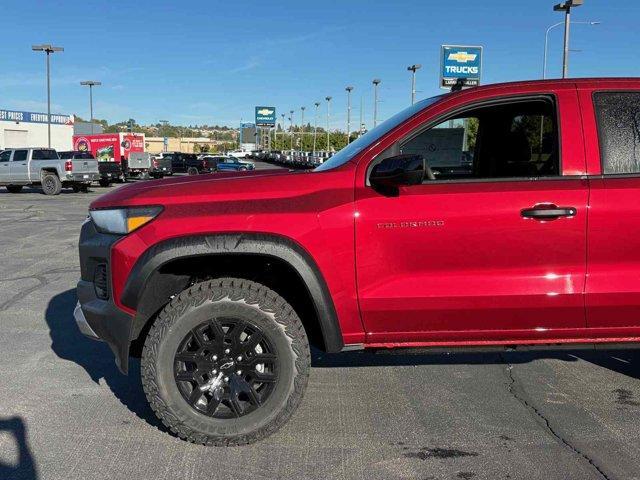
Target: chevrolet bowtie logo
(462, 57)
(265, 111)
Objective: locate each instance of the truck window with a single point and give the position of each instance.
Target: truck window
(44, 154)
(5, 156)
(514, 140)
(20, 155)
(618, 117)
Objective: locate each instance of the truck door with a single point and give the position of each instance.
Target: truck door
(5, 165)
(612, 144)
(473, 254)
(19, 167)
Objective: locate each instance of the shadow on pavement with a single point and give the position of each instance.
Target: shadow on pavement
(95, 357)
(25, 469)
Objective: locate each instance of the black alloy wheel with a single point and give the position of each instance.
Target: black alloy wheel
(225, 368)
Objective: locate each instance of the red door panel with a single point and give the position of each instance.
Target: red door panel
(454, 257)
(612, 292)
(456, 262)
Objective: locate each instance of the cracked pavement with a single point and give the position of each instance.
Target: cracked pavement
(66, 412)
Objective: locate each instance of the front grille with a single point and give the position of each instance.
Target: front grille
(100, 282)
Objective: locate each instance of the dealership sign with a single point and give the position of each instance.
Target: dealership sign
(265, 116)
(460, 66)
(33, 117)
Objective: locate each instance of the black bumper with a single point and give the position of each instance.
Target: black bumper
(107, 321)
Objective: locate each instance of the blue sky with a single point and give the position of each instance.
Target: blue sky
(211, 62)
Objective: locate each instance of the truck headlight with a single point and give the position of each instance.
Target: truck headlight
(121, 221)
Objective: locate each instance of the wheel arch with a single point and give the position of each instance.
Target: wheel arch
(152, 280)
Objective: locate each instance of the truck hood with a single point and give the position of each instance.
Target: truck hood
(193, 188)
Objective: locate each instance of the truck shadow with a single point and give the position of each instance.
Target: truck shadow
(25, 467)
(95, 357)
(97, 360)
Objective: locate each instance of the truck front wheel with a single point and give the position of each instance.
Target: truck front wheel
(51, 184)
(226, 362)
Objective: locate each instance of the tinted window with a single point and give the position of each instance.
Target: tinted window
(517, 140)
(5, 156)
(83, 155)
(44, 154)
(65, 155)
(20, 155)
(618, 116)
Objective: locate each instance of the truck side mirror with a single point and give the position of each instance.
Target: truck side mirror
(398, 171)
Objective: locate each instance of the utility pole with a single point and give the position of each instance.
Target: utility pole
(361, 115)
(328, 99)
(48, 49)
(91, 84)
(376, 82)
(413, 69)
(315, 128)
(566, 8)
(302, 128)
(349, 89)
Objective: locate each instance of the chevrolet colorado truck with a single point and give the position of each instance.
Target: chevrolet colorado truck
(500, 216)
(43, 167)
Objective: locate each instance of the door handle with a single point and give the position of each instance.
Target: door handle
(548, 212)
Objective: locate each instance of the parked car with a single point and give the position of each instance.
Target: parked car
(43, 167)
(393, 242)
(110, 171)
(239, 154)
(230, 163)
(184, 162)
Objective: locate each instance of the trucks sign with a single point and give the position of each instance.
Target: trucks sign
(460, 66)
(266, 116)
(33, 117)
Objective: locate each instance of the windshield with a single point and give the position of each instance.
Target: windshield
(355, 147)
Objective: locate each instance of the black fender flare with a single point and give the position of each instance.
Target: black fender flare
(277, 246)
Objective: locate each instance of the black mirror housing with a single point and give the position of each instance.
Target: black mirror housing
(398, 171)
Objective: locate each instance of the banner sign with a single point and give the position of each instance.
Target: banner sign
(33, 117)
(265, 116)
(460, 66)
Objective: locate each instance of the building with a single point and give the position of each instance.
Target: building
(182, 144)
(29, 129)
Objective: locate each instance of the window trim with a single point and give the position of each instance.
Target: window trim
(478, 104)
(600, 133)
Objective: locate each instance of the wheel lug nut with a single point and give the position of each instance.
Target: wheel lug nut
(239, 358)
(214, 358)
(239, 372)
(226, 379)
(227, 351)
(214, 371)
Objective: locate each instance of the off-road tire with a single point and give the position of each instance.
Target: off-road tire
(192, 171)
(14, 188)
(104, 183)
(255, 304)
(51, 184)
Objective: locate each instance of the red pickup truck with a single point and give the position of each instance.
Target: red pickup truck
(497, 216)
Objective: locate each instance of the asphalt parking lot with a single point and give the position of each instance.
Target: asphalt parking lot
(67, 413)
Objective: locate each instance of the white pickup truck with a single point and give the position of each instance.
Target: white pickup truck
(42, 166)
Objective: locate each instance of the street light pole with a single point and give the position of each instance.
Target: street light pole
(413, 69)
(302, 128)
(91, 84)
(315, 128)
(546, 42)
(291, 127)
(328, 99)
(566, 8)
(376, 82)
(48, 49)
(349, 89)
